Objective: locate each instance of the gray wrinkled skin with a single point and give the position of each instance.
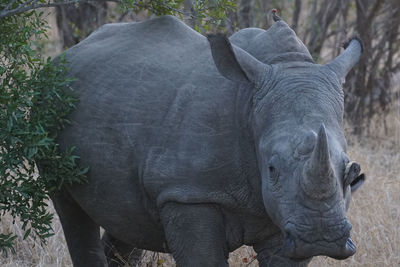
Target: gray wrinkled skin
(197, 151)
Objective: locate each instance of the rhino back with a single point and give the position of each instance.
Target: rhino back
(154, 115)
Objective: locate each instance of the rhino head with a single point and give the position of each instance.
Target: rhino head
(296, 117)
(306, 190)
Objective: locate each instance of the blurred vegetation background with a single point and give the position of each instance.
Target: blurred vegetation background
(372, 97)
(323, 26)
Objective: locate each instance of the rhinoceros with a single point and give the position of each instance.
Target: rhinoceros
(197, 146)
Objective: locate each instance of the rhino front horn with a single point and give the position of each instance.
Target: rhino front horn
(318, 177)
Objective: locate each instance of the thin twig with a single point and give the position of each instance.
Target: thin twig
(10, 4)
(26, 3)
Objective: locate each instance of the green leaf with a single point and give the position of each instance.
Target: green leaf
(27, 232)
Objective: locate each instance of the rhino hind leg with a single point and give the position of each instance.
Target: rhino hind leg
(119, 253)
(195, 234)
(81, 232)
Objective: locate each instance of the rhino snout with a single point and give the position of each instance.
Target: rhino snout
(297, 248)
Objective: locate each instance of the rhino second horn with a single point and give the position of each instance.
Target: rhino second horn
(318, 177)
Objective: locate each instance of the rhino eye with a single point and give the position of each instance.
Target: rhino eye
(272, 170)
(272, 167)
(273, 175)
(273, 164)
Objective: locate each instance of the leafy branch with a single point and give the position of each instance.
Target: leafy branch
(35, 98)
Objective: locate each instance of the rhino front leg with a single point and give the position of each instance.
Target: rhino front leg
(195, 234)
(268, 254)
(81, 232)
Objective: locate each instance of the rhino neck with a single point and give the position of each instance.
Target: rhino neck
(249, 171)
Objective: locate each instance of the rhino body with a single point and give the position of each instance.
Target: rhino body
(197, 151)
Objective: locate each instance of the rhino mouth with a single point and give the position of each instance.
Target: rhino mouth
(296, 247)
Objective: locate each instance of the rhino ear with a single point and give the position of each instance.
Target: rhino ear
(357, 182)
(352, 176)
(233, 62)
(343, 63)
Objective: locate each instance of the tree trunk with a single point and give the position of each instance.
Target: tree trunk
(244, 14)
(189, 13)
(296, 14)
(324, 17)
(75, 22)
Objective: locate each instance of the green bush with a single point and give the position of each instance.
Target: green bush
(35, 97)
